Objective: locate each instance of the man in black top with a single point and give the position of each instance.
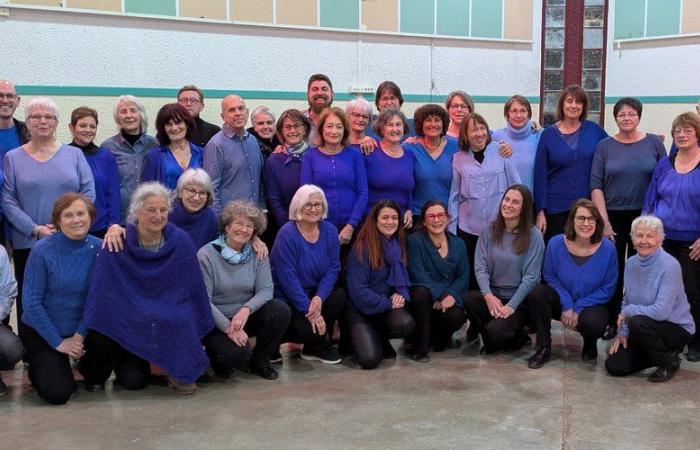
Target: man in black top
(192, 98)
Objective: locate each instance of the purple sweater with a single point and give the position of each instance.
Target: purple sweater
(282, 173)
(343, 179)
(390, 179)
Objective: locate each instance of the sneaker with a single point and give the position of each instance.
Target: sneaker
(541, 356)
(182, 388)
(3, 388)
(276, 358)
(326, 355)
(665, 373)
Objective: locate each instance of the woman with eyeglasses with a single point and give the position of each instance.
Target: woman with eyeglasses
(36, 174)
(439, 269)
(580, 269)
(620, 175)
(459, 105)
(192, 211)
(359, 113)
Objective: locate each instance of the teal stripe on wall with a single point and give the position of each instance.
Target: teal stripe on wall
(453, 17)
(157, 7)
(340, 14)
(629, 19)
(663, 17)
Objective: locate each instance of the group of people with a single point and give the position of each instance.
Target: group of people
(332, 225)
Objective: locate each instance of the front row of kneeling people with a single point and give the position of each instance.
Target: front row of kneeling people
(144, 304)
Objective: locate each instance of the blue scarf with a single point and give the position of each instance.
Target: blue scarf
(230, 255)
(398, 275)
(520, 134)
(295, 152)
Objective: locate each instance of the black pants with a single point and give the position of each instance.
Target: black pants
(50, 371)
(20, 257)
(691, 280)
(370, 334)
(104, 356)
(432, 325)
(300, 328)
(268, 324)
(543, 303)
(621, 222)
(650, 343)
(496, 333)
(555, 224)
(470, 241)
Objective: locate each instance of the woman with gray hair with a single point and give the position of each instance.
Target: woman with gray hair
(655, 321)
(240, 291)
(146, 304)
(359, 113)
(36, 174)
(305, 266)
(191, 210)
(263, 128)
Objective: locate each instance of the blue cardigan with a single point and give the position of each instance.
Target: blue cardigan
(160, 165)
(282, 172)
(440, 276)
(562, 173)
(590, 284)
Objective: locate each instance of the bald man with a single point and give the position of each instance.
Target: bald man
(13, 133)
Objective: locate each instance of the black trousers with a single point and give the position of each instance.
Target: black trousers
(300, 329)
(20, 257)
(268, 324)
(104, 356)
(621, 222)
(496, 333)
(470, 241)
(369, 334)
(543, 303)
(691, 280)
(433, 326)
(50, 371)
(555, 224)
(650, 343)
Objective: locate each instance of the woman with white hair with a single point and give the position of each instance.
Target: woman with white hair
(36, 174)
(147, 303)
(191, 210)
(129, 147)
(263, 128)
(305, 264)
(359, 113)
(655, 321)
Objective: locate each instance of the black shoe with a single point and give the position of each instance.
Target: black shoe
(487, 350)
(472, 334)
(3, 388)
(610, 332)
(266, 372)
(589, 352)
(693, 354)
(99, 387)
(388, 351)
(665, 373)
(276, 358)
(326, 355)
(541, 356)
(421, 358)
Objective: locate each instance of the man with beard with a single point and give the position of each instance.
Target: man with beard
(319, 92)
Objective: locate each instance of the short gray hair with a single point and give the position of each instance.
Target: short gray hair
(648, 221)
(359, 104)
(145, 190)
(301, 198)
(198, 177)
(262, 110)
(247, 210)
(143, 127)
(40, 103)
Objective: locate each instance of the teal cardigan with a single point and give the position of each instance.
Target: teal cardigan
(440, 276)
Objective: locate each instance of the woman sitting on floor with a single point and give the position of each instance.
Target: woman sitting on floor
(147, 303)
(378, 287)
(655, 321)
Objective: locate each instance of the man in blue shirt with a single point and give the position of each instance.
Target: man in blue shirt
(13, 133)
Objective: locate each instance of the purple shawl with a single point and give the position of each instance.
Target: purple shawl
(154, 304)
(202, 226)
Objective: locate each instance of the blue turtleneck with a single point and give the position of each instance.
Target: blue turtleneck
(524, 142)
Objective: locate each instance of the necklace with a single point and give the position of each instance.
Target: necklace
(432, 149)
(160, 242)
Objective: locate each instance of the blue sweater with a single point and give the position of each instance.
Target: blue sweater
(202, 227)
(654, 288)
(160, 165)
(675, 199)
(368, 288)
(107, 195)
(524, 143)
(580, 286)
(440, 276)
(390, 179)
(282, 173)
(562, 173)
(433, 177)
(56, 284)
(301, 269)
(343, 179)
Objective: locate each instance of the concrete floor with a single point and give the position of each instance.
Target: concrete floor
(458, 400)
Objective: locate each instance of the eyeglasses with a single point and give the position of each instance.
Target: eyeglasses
(438, 216)
(296, 126)
(359, 116)
(388, 99)
(188, 100)
(318, 206)
(9, 96)
(581, 219)
(459, 106)
(194, 193)
(46, 117)
(240, 225)
(687, 131)
(627, 116)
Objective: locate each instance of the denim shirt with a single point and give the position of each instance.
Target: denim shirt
(235, 164)
(477, 188)
(129, 164)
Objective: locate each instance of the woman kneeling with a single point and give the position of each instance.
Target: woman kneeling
(655, 321)
(378, 287)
